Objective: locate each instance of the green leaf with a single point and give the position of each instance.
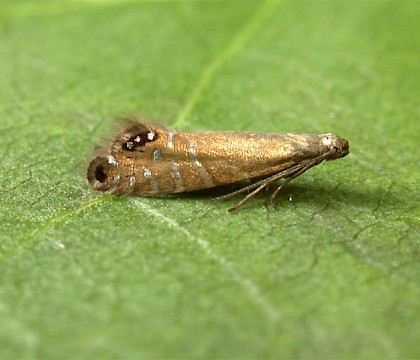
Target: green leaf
(333, 272)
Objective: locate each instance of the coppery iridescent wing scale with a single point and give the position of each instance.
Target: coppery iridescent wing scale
(146, 158)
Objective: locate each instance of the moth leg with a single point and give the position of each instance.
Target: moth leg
(249, 196)
(275, 192)
(289, 173)
(241, 190)
(264, 181)
(289, 178)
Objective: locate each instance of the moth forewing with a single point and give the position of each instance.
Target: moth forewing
(233, 156)
(145, 158)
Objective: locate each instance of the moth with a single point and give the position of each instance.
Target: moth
(145, 158)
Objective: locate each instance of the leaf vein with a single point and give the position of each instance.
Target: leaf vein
(253, 291)
(234, 47)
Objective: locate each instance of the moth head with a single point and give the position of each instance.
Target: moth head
(101, 173)
(334, 146)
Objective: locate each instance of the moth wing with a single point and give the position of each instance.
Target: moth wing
(128, 128)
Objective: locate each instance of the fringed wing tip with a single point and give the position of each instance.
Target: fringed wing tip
(136, 123)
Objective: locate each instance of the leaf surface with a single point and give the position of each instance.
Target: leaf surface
(333, 272)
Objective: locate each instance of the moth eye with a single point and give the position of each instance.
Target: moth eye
(139, 140)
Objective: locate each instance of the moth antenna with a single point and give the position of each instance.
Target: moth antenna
(284, 183)
(299, 172)
(290, 173)
(267, 180)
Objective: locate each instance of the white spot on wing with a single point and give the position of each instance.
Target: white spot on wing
(157, 155)
(153, 183)
(112, 161)
(147, 172)
(192, 150)
(130, 145)
(171, 139)
(177, 175)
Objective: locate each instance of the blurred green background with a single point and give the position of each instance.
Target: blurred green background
(333, 272)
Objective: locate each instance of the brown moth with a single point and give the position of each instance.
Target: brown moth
(147, 159)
